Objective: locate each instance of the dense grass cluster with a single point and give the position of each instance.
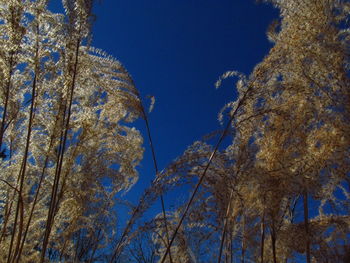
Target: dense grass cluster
(279, 192)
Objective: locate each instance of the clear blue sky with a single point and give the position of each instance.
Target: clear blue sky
(176, 50)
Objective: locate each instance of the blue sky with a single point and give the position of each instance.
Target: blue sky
(175, 50)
